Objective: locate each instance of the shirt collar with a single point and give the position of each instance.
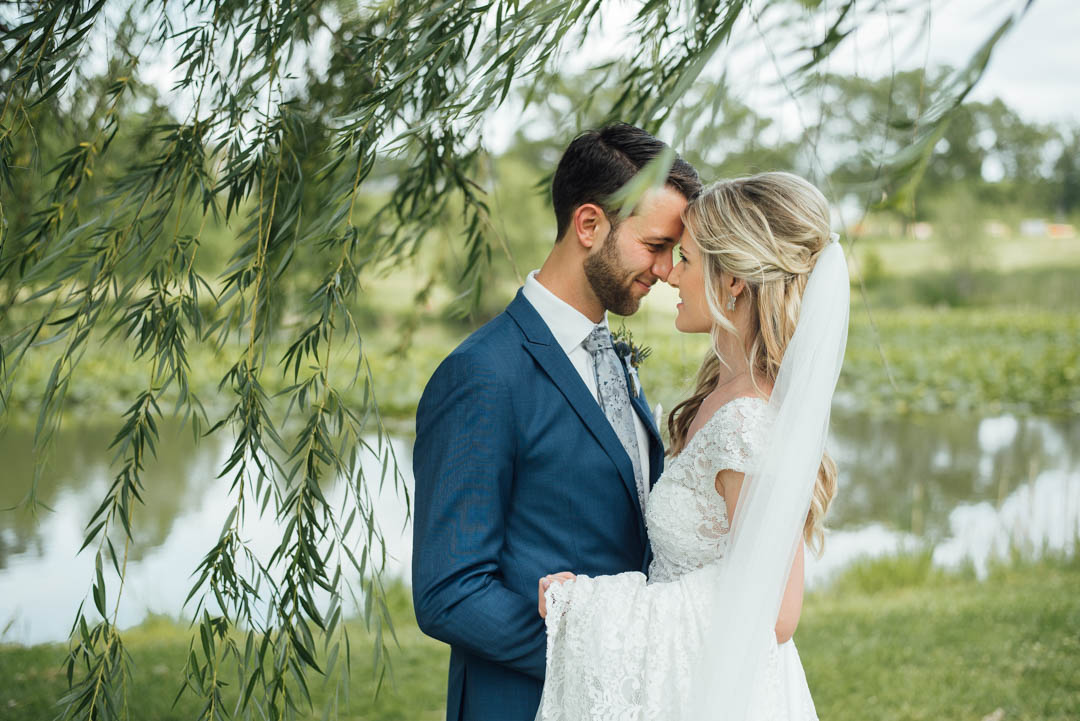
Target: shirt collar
(569, 325)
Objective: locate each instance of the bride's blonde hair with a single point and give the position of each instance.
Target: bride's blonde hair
(768, 230)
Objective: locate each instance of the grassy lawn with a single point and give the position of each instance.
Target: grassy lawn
(33, 678)
(981, 359)
(943, 647)
(966, 359)
(909, 256)
(892, 639)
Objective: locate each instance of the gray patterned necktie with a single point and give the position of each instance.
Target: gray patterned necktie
(615, 398)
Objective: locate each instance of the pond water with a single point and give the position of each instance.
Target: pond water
(969, 488)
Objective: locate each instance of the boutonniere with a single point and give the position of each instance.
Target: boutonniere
(631, 354)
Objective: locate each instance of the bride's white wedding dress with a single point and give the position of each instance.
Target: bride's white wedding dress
(621, 647)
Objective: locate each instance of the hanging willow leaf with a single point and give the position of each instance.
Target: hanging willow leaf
(909, 164)
(651, 176)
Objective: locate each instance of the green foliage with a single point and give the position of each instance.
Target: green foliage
(940, 359)
(974, 359)
(871, 270)
(1067, 175)
(885, 118)
(890, 573)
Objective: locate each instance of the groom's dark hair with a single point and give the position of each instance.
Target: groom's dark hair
(599, 162)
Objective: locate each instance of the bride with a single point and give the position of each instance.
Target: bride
(708, 636)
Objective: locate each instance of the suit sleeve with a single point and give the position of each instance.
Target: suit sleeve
(463, 464)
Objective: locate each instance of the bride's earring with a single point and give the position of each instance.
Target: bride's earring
(731, 303)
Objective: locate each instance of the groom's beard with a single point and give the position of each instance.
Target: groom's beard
(610, 281)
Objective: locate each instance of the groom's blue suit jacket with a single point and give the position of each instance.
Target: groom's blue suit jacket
(518, 475)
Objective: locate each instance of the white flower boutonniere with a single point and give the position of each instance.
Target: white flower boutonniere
(631, 355)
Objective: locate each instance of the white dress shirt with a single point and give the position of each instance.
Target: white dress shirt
(570, 328)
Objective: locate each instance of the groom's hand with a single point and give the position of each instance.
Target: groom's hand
(545, 582)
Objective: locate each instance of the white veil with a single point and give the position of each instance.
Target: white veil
(746, 588)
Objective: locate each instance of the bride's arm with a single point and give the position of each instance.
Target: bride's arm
(728, 485)
(791, 605)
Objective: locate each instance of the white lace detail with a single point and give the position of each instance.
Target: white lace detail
(636, 670)
(687, 519)
(622, 648)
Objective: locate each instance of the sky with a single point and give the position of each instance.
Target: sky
(1033, 68)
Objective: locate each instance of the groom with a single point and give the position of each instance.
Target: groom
(534, 451)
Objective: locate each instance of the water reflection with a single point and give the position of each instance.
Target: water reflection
(77, 477)
(972, 488)
(44, 578)
(910, 473)
(1037, 517)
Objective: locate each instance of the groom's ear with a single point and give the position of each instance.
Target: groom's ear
(590, 223)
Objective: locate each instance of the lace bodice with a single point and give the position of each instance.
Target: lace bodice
(686, 517)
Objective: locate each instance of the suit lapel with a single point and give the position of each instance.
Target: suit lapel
(547, 353)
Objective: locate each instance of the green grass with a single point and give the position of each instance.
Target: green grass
(1000, 334)
(886, 574)
(906, 256)
(946, 647)
(966, 359)
(31, 678)
(1044, 288)
(890, 640)
(962, 359)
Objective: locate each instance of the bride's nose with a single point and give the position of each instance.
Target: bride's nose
(673, 276)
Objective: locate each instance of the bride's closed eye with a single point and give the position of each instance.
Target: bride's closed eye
(682, 256)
